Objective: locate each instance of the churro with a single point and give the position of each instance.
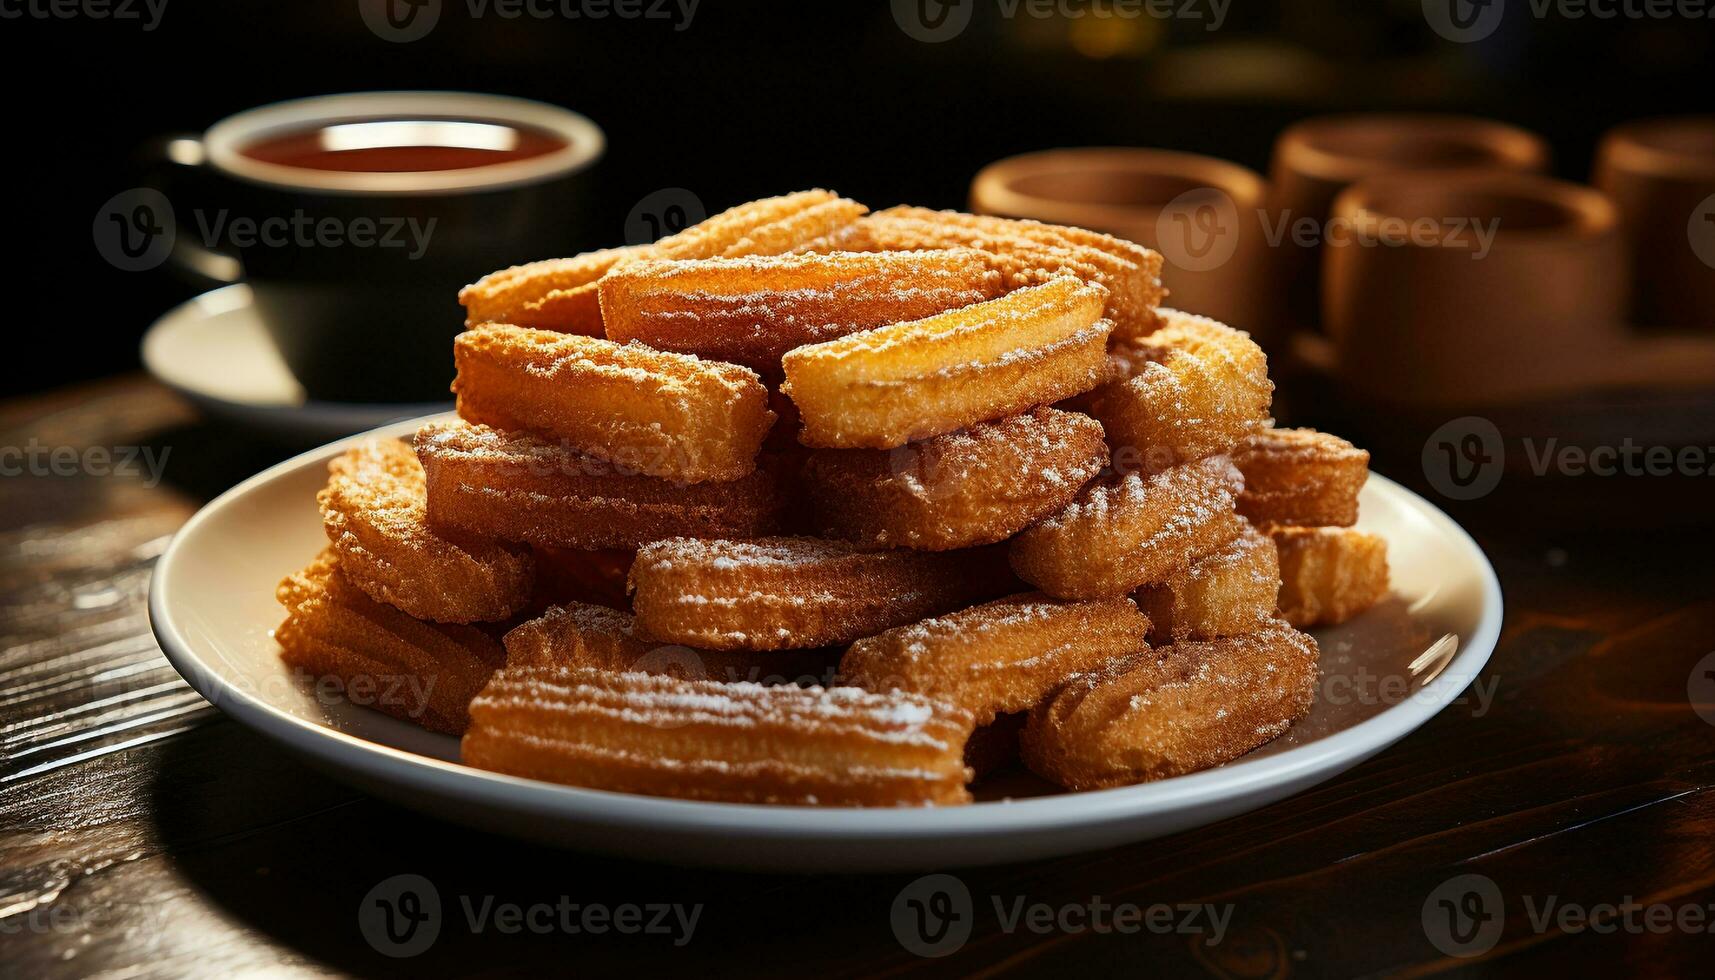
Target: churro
(881, 388)
(1024, 252)
(1173, 710)
(975, 486)
(752, 310)
(704, 740)
(651, 412)
(1001, 656)
(520, 487)
(770, 226)
(1302, 477)
(1229, 591)
(1130, 530)
(554, 294)
(1199, 389)
(425, 673)
(790, 592)
(373, 509)
(579, 634)
(1328, 575)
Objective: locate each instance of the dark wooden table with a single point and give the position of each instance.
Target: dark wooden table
(141, 833)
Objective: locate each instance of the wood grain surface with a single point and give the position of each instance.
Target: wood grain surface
(142, 834)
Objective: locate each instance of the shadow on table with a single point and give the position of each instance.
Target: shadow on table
(301, 863)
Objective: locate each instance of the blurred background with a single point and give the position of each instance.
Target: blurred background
(754, 98)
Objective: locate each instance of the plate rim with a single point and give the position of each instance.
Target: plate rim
(394, 766)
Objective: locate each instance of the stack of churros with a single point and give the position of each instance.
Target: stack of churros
(811, 505)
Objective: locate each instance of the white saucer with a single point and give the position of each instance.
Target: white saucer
(214, 351)
(212, 606)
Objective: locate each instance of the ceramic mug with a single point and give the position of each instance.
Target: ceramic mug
(1204, 215)
(1314, 160)
(1477, 288)
(355, 266)
(1661, 174)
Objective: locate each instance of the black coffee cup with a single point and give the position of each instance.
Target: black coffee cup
(355, 272)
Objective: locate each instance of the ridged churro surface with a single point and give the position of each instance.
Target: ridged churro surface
(651, 412)
(1130, 530)
(380, 658)
(705, 740)
(520, 487)
(373, 509)
(788, 592)
(1001, 656)
(885, 387)
(1173, 710)
(975, 486)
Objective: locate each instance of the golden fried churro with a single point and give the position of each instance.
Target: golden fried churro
(882, 388)
(1024, 252)
(1301, 476)
(785, 593)
(704, 740)
(1229, 591)
(770, 226)
(1001, 656)
(1130, 530)
(976, 486)
(1199, 389)
(652, 412)
(554, 294)
(425, 673)
(519, 487)
(578, 634)
(1328, 575)
(1173, 710)
(752, 310)
(374, 514)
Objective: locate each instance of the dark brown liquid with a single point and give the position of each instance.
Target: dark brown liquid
(421, 147)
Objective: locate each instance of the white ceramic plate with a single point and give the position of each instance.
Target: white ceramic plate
(1386, 673)
(213, 350)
